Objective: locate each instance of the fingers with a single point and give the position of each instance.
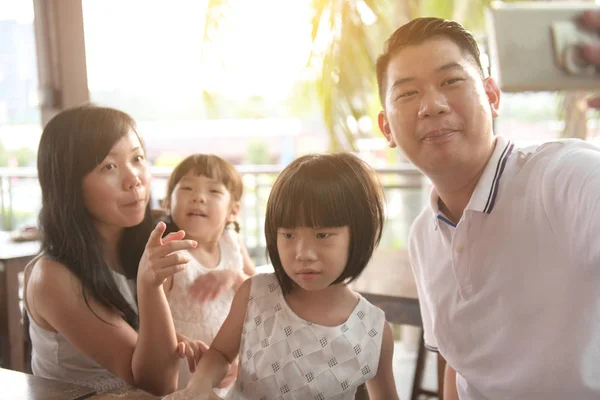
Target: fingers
(175, 245)
(592, 54)
(594, 103)
(173, 236)
(154, 239)
(591, 19)
(170, 260)
(164, 273)
(181, 349)
(191, 358)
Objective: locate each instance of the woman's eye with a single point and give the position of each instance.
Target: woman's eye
(110, 166)
(186, 188)
(323, 235)
(139, 158)
(287, 235)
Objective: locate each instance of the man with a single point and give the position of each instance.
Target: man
(507, 255)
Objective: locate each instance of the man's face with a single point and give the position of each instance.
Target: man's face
(437, 107)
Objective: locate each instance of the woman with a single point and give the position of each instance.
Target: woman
(81, 293)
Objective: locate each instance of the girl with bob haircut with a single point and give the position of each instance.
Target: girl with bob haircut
(302, 332)
(88, 323)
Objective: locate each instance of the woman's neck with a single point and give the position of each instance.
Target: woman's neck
(110, 247)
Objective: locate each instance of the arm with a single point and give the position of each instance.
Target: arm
(96, 331)
(450, 392)
(104, 337)
(155, 361)
(382, 386)
(214, 365)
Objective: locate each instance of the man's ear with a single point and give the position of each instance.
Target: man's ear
(384, 127)
(492, 92)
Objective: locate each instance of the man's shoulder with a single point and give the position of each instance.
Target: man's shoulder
(560, 150)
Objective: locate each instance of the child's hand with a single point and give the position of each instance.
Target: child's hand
(158, 262)
(209, 286)
(231, 375)
(192, 349)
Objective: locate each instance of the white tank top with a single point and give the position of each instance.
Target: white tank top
(202, 321)
(54, 357)
(283, 356)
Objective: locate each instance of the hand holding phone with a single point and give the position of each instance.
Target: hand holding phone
(538, 47)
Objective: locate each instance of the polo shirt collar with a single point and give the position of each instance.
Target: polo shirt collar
(486, 191)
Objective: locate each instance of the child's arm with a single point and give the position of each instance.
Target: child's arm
(214, 365)
(382, 385)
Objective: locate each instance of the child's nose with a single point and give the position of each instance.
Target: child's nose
(305, 251)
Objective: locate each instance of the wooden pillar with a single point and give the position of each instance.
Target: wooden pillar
(60, 47)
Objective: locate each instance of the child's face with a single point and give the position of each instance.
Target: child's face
(201, 206)
(313, 257)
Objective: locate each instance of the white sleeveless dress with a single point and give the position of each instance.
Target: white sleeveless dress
(54, 357)
(202, 321)
(285, 357)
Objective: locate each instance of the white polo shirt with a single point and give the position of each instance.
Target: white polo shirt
(510, 296)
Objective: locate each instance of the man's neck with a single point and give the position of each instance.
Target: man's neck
(456, 187)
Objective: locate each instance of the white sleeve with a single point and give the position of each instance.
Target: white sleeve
(571, 196)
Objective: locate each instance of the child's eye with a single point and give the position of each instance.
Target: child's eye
(186, 188)
(139, 158)
(215, 191)
(323, 235)
(286, 235)
(110, 166)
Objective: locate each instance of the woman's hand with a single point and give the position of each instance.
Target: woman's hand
(208, 287)
(158, 261)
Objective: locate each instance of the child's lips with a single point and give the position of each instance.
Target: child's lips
(308, 274)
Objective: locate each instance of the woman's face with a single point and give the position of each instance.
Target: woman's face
(117, 190)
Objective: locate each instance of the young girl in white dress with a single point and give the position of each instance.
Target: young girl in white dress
(302, 332)
(203, 199)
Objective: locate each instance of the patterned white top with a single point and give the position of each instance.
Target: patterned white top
(285, 357)
(202, 321)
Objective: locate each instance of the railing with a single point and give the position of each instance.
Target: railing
(20, 200)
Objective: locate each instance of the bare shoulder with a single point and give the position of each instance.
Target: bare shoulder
(49, 278)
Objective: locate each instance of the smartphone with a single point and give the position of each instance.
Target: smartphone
(535, 46)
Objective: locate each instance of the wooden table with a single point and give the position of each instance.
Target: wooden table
(388, 283)
(19, 386)
(14, 256)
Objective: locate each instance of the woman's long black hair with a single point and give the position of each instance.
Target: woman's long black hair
(73, 143)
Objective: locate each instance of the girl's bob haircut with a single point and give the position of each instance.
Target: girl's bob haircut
(327, 190)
